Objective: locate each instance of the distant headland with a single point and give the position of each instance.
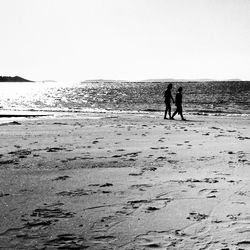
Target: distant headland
(167, 80)
(13, 79)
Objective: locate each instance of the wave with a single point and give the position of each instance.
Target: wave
(110, 111)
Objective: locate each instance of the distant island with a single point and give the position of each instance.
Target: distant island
(172, 80)
(13, 79)
(48, 81)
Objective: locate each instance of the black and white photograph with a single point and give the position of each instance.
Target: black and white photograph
(125, 124)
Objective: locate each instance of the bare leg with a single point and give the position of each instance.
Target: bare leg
(166, 111)
(174, 114)
(180, 112)
(169, 112)
(182, 116)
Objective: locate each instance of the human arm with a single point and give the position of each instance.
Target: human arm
(172, 99)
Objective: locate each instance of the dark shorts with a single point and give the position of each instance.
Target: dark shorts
(179, 109)
(168, 104)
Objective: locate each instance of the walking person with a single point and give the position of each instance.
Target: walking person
(178, 103)
(168, 96)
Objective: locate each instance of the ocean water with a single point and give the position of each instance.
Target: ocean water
(217, 98)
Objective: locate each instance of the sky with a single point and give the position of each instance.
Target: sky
(76, 40)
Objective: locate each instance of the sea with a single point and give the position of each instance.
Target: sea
(231, 98)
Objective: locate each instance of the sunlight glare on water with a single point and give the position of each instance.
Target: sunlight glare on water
(28, 95)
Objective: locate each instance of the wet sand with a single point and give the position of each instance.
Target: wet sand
(125, 181)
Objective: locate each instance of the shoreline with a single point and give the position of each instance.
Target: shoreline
(127, 181)
(5, 113)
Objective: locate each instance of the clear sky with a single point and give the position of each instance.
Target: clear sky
(76, 40)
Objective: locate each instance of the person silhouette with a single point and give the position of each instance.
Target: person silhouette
(168, 96)
(178, 103)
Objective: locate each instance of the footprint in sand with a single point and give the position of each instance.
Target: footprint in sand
(140, 187)
(76, 192)
(117, 156)
(209, 193)
(206, 133)
(22, 153)
(214, 128)
(161, 158)
(52, 211)
(243, 138)
(154, 148)
(135, 204)
(100, 239)
(207, 180)
(67, 241)
(241, 193)
(197, 216)
(151, 209)
(149, 169)
(231, 131)
(136, 174)
(233, 216)
(106, 185)
(55, 149)
(61, 178)
(244, 243)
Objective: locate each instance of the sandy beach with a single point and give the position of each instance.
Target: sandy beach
(125, 181)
